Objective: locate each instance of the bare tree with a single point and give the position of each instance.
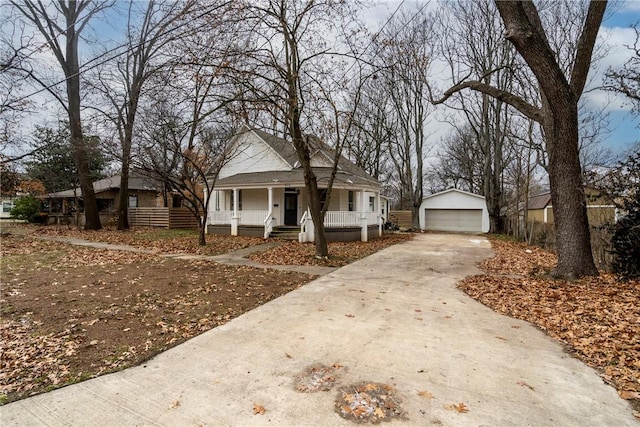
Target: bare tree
(122, 83)
(405, 48)
(186, 131)
(460, 161)
(288, 64)
(557, 112)
(374, 131)
(471, 46)
(626, 79)
(61, 24)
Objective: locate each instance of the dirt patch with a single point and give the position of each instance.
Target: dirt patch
(369, 403)
(317, 378)
(71, 313)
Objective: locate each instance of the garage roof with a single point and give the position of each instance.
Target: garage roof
(452, 190)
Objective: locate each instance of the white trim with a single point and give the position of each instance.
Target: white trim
(452, 190)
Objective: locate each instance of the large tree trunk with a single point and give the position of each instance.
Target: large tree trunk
(123, 196)
(71, 68)
(560, 97)
(573, 240)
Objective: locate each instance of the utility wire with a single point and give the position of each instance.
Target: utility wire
(130, 49)
(85, 68)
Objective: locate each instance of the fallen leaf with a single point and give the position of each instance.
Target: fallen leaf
(350, 315)
(628, 395)
(379, 413)
(258, 409)
(425, 394)
(460, 407)
(175, 404)
(522, 383)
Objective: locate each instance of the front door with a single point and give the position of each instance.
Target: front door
(290, 209)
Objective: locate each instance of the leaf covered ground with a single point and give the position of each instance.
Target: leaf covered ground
(160, 241)
(341, 253)
(69, 313)
(596, 318)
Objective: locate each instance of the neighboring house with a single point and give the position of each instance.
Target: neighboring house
(454, 210)
(600, 208)
(7, 204)
(143, 192)
(261, 191)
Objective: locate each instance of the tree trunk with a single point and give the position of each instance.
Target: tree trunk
(560, 97)
(573, 240)
(92, 218)
(123, 197)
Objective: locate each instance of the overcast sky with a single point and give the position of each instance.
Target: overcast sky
(616, 32)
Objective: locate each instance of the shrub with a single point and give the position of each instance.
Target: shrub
(626, 246)
(26, 208)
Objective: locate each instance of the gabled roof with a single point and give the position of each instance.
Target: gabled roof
(288, 153)
(454, 190)
(281, 146)
(540, 201)
(138, 183)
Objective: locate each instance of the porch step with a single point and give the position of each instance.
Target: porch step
(285, 232)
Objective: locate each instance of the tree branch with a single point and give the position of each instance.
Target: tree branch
(532, 112)
(585, 46)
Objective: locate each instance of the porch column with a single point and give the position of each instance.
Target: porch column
(379, 215)
(234, 218)
(363, 219)
(268, 225)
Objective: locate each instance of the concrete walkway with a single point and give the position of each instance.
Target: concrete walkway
(395, 317)
(231, 258)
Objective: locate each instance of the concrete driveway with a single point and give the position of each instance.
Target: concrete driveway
(395, 317)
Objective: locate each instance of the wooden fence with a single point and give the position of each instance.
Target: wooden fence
(544, 235)
(402, 218)
(162, 217)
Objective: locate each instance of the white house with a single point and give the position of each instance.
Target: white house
(454, 210)
(261, 191)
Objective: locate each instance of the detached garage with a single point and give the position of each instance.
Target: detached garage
(456, 211)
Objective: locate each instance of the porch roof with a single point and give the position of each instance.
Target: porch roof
(294, 178)
(137, 183)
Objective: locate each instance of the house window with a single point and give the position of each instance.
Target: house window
(7, 206)
(104, 205)
(372, 204)
(133, 201)
(351, 199)
(217, 194)
(239, 200)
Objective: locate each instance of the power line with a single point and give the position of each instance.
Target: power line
(104, 54)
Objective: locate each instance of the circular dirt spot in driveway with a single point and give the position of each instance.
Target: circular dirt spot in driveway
(317, 378)
(368, 402)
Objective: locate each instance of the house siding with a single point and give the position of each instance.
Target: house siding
(251, 154)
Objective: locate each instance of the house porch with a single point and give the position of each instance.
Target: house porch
(354, 214)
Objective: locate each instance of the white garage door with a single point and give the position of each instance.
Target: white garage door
(453, 220)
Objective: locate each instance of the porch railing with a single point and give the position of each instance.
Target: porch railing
(220, 217)
(342, 219)
(331, 218)
(252, 217)
(349, 218)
